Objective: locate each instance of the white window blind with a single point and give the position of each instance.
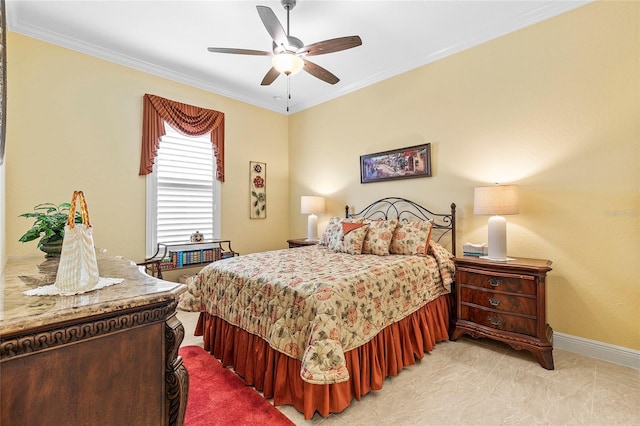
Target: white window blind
(185, 189)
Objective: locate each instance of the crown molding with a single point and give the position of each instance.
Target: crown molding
(15, 25)
(540, 14)
(546, 11)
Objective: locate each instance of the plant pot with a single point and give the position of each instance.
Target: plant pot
(52, 248)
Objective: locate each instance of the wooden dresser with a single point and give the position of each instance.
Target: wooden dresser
(504, 301)
(107, 357)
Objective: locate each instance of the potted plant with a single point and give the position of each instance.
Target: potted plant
(48, 226)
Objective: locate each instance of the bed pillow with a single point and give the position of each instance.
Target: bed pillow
(379, 235)
(333, 230)
(411, 238)
(333, 227)
(351, 237)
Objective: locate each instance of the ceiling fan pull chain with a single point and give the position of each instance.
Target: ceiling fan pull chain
(288, 91)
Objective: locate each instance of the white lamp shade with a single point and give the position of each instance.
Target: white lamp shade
(287, 63)
(498, 199)
(310, 204)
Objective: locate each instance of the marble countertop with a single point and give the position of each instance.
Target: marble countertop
(19, 312)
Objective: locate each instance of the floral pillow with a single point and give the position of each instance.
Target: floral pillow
(378, 238)
(351, 237)
(411, 238)
(333, 230)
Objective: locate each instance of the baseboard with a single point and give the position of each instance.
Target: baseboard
(594, 349)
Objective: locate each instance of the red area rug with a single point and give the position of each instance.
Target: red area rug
(217, 396)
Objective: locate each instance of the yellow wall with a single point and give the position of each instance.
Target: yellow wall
(75, 122)
(3, 251)
(553, 108)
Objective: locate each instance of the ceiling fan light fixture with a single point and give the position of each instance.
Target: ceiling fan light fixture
(288, 51)
(287, 63)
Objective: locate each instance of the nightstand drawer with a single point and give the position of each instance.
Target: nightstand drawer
(499, 321)
(520, 284)
(498, 301)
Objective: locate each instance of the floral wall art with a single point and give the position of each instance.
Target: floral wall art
(258, 183)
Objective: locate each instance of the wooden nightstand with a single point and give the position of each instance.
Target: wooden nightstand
(504, 301)
(301, 242)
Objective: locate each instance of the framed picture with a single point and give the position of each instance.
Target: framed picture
(258, 185)
(404, 163)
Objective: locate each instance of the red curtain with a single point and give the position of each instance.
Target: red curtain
(187, 119)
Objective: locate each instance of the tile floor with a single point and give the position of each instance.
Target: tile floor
(481, 382)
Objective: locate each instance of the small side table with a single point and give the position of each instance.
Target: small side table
(504, 301)
(301, 242)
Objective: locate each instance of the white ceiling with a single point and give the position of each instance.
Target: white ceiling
(170, 38)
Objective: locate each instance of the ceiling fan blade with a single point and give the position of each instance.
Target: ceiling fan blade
(330, 46)
(273, 26)
(270, 76)
(239, 51)
(319, 72)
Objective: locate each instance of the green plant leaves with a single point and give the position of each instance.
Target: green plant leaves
(49, 223)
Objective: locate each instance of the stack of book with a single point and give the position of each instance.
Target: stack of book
(470, 249)
(166, 264)
(184, 255)
(182, 258)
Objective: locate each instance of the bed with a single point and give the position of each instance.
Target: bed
(318, 326)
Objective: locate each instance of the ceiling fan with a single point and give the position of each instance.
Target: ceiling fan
(289, 52)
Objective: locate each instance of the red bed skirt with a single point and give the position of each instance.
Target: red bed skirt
(278, 375)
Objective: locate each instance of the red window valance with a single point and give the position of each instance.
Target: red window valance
(187, 119)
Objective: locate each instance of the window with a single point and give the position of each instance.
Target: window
(183, 194)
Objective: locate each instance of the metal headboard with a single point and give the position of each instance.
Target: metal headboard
(406, 210)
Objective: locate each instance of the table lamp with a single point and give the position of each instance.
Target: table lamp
(496, 201)
(312, 205)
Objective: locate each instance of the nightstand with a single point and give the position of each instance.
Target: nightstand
(301, 242)
(504, 301)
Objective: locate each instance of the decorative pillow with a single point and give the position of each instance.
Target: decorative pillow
(378, 238)
(351, 237)
(334, 228)
(411, 238)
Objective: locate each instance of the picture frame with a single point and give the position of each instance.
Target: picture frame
(258, 190)
(404, 163)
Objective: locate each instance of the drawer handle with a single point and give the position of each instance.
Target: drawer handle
(495, 321)
(495, 282)
(493, 301)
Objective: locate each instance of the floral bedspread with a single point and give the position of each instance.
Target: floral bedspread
(314, 304)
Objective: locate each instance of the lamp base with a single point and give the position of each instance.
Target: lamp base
(312, 228)
(497, 249)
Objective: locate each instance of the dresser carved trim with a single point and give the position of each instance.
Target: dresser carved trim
(46, 339)
(176, 376)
